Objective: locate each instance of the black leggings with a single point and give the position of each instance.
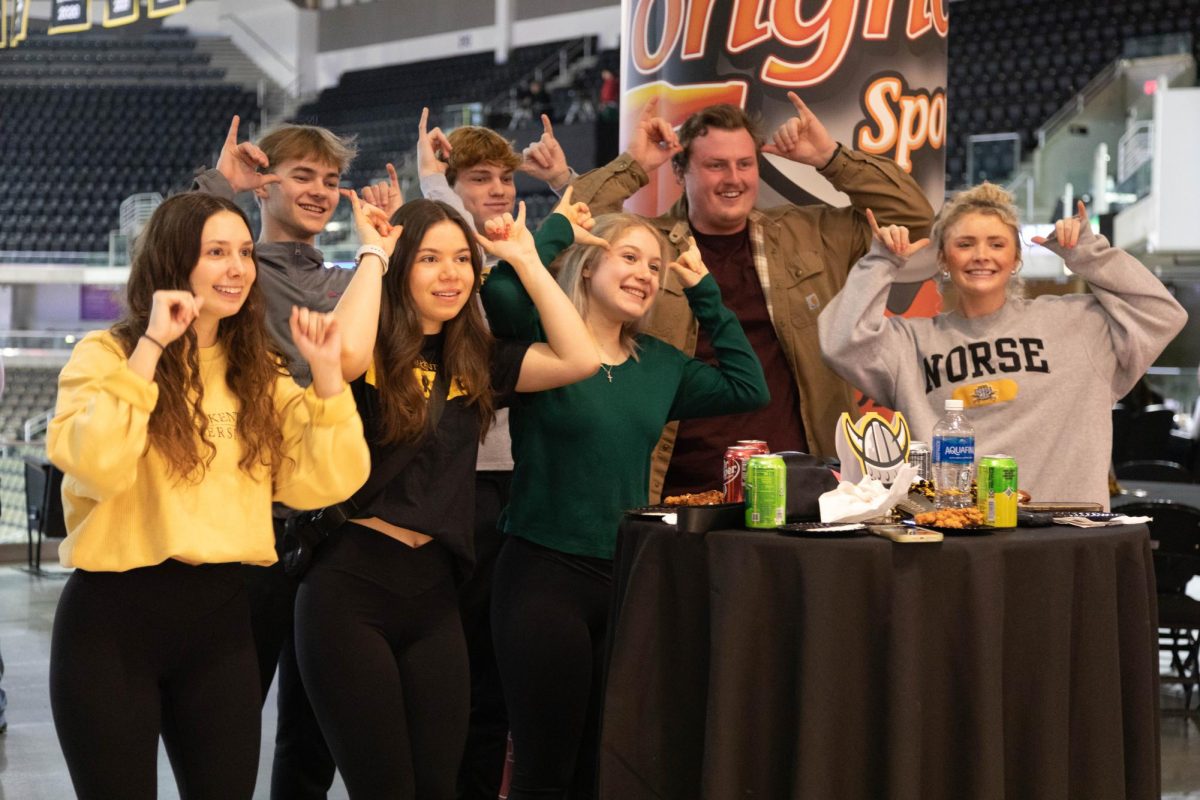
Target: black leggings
(550, 622)
(303, 767)
(382, 655)
(164, 649)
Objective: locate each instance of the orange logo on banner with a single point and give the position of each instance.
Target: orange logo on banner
(830, 29)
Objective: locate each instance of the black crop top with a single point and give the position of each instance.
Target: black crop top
(435, 492)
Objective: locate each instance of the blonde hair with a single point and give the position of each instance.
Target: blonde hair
(986, 198)
(308, 141)
(580, 258)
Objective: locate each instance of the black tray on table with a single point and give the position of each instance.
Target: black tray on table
(1044, 519)
(699, 519)
(971, 530)
(824, 530)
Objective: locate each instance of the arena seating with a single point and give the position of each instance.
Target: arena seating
(382, 105)
(88, 119)
(29, 391)
(1014, 63)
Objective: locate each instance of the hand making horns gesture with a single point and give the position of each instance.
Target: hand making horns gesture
(545, 160)
(802, 138)
(239, 163)
(433, 148)
(654, 140)
(894, 237)
(385, 195)
(1068, 229)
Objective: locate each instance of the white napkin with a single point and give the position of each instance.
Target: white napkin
(867, 499)
(1084, 522)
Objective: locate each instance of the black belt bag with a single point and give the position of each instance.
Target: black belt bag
(304, 531)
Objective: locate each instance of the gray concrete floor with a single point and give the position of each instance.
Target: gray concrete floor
(32, 768)
(31, 765)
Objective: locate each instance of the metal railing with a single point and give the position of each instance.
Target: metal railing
(548, 69)
(37, 425)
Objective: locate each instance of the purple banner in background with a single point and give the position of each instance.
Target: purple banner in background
(99, 303)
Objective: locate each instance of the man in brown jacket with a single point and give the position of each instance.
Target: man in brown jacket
(777, 268)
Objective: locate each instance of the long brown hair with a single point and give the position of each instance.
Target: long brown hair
(165, 255)
(466, 349)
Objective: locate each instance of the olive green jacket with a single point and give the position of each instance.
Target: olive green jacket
(802, 255)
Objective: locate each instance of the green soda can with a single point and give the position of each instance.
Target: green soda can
(766, 491)
(997, 498)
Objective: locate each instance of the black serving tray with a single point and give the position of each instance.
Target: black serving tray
(699, 519)
(824, 530)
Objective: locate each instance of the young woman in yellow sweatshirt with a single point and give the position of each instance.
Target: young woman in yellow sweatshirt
(175, 429)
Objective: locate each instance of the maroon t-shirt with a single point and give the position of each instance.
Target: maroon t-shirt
(696, 463)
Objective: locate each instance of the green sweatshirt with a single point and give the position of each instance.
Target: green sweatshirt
(582, 452)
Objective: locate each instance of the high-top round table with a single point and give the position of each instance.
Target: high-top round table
(1020, 665)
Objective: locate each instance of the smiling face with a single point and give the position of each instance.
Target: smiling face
(224, 272)
(624, 280)
(442, 277)
(299, 207)
(721, 180)
(487, 190)
(980, 252)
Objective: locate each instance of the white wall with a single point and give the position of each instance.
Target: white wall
(279, 37)
(1176, 170)
(602, 22)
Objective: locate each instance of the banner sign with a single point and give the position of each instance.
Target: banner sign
(20, 22)
(70, 16)
(162, 8)
(873, 71)
(120, 12)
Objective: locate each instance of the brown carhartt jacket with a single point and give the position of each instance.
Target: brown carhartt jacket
(804, 251)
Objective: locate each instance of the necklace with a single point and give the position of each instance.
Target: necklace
(608, 368)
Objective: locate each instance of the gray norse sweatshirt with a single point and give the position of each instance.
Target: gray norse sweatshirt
(1037, 378)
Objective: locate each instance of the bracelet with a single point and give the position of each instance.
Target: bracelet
(154, 341)
(373, 250)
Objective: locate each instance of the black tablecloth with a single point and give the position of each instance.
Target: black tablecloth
(754, 665)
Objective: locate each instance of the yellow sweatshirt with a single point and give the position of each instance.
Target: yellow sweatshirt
(123, 507)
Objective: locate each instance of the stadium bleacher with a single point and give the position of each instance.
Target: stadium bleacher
(29, 392)
(1014, 63)
(88, 119)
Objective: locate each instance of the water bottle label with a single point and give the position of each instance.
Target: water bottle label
(954, 449)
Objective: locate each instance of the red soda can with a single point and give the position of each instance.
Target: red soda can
(736, 457)
(759, 445)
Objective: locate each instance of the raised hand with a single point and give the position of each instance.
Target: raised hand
(319, 341)
(385, 195)
(172, 311)
(372, 223)
(689, 266)
(802, 138)
(433, 148)
(654, 140)
(580, 217)
(507, 238)
(239, 163)
(1067, 230)
(894, 237)
(545, 160)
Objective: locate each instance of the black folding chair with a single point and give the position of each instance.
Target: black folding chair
(1148, 435)
(1153, 470)
(43, 506)
(1175, 534)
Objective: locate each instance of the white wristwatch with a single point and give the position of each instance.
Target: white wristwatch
(373, 250)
